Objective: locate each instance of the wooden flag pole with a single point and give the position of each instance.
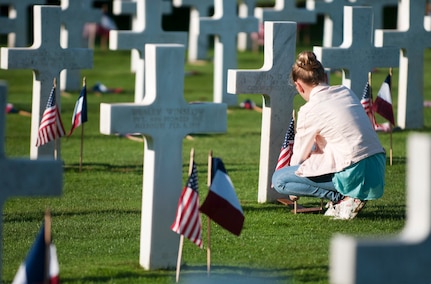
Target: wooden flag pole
(390, 133)
(295, 201)
(180, 248)
(47, 238)
(209, 181)
(84, 84)
(54, 83)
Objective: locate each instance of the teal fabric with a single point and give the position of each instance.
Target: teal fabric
(364, 180)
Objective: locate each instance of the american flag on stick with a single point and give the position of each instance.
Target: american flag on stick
(51, 126)
(287, 147)
(188, 219)
(367, 104)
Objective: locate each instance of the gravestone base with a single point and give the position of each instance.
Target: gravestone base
(299, 208)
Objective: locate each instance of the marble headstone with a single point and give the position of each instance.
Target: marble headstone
(357, 56)
(22, 177)
(18, 21)
(74, 15)
(225, 25)
(198, 43)
(164, 118)
(412, 38)
(272, 82)
(148, 29)
(46, 58)
(403, 258)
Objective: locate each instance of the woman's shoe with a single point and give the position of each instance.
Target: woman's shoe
(350, 208)
(293, 198)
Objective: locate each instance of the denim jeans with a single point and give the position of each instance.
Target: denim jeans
(286, 182)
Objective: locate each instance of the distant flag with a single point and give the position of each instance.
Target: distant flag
(222, 204)
(33, 269)
(367, 104)
(188, 220)
(80, 112)
(383, 103)
(51, 126)
(287, 147)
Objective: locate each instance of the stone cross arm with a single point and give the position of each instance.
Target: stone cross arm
(45, 178)
(182, 120)
(46, 52)
(36, 59)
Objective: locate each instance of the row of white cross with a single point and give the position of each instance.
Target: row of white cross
(175, 118)
(225, 25)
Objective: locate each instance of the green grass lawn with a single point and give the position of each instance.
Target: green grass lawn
(96, 222)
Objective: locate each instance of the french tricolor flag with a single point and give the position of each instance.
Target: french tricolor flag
(222, 204)
(80, 111)
(383, 103)
(33, 270)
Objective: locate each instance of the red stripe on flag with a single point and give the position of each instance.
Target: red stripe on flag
(223, 213)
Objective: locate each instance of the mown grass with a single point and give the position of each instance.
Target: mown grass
(97, 219)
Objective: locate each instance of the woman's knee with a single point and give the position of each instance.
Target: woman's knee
(280, 180)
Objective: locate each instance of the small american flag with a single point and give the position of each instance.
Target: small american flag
(287, 147)
(188, 219)
(367, 104)
(51, 126)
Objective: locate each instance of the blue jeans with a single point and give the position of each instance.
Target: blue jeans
(286, 182)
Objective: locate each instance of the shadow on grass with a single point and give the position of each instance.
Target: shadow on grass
(36, 216)
(103, 167)
(233, 274)
(194, 274)
(384, 212)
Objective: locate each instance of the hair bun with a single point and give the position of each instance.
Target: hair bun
(308, 61)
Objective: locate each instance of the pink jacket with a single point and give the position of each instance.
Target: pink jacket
(332, 133)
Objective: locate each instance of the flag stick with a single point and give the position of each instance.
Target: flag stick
(54, 83)
(47, 237)
(82, 147)
(390, 149)
(390, 134)
(295, 202)
(84, 83)
(180, 253)
(180, 248)
(209, 181)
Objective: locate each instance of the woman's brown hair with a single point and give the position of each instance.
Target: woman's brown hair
(308, 69)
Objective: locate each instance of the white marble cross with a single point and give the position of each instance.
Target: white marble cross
(333, 16)
(129, 7)
(148, 29)
(225, 24)
(18, 21)
(286, 10)
(412, 38)
(357, 56)
(164, 118)
(123, 7)
(333, 19)
(245, 9)
(22, 177)
(271, 81)
(46, 58)
(74, 15)
(7, 26)
(198, 43)
(378, 9)
(404, 258)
